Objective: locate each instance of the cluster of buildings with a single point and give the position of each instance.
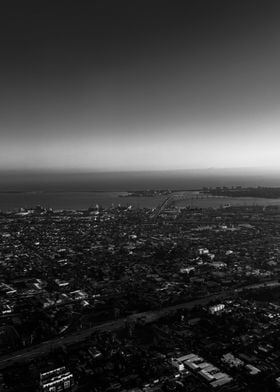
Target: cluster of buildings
(55, 380)
(209, 372)
(65, 272)
(236, 349)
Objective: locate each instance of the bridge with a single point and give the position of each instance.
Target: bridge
(177, 197)
(167, 202)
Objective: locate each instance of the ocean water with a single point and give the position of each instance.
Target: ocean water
(83, 190)
(126, 181)
(83, 200)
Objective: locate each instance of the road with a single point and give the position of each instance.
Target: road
(146, 317)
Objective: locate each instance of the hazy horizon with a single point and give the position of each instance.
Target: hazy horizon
(239, 170)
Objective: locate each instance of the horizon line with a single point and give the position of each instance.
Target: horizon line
(124, 171)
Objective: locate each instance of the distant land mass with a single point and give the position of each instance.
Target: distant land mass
(136, 180)
(258, 192)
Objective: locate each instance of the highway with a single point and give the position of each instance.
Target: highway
(146, 317)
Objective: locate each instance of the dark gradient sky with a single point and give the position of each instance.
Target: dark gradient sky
(140, 85)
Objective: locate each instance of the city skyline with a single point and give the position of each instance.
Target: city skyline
(148, 86)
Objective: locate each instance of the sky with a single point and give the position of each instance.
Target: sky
(140, 85)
